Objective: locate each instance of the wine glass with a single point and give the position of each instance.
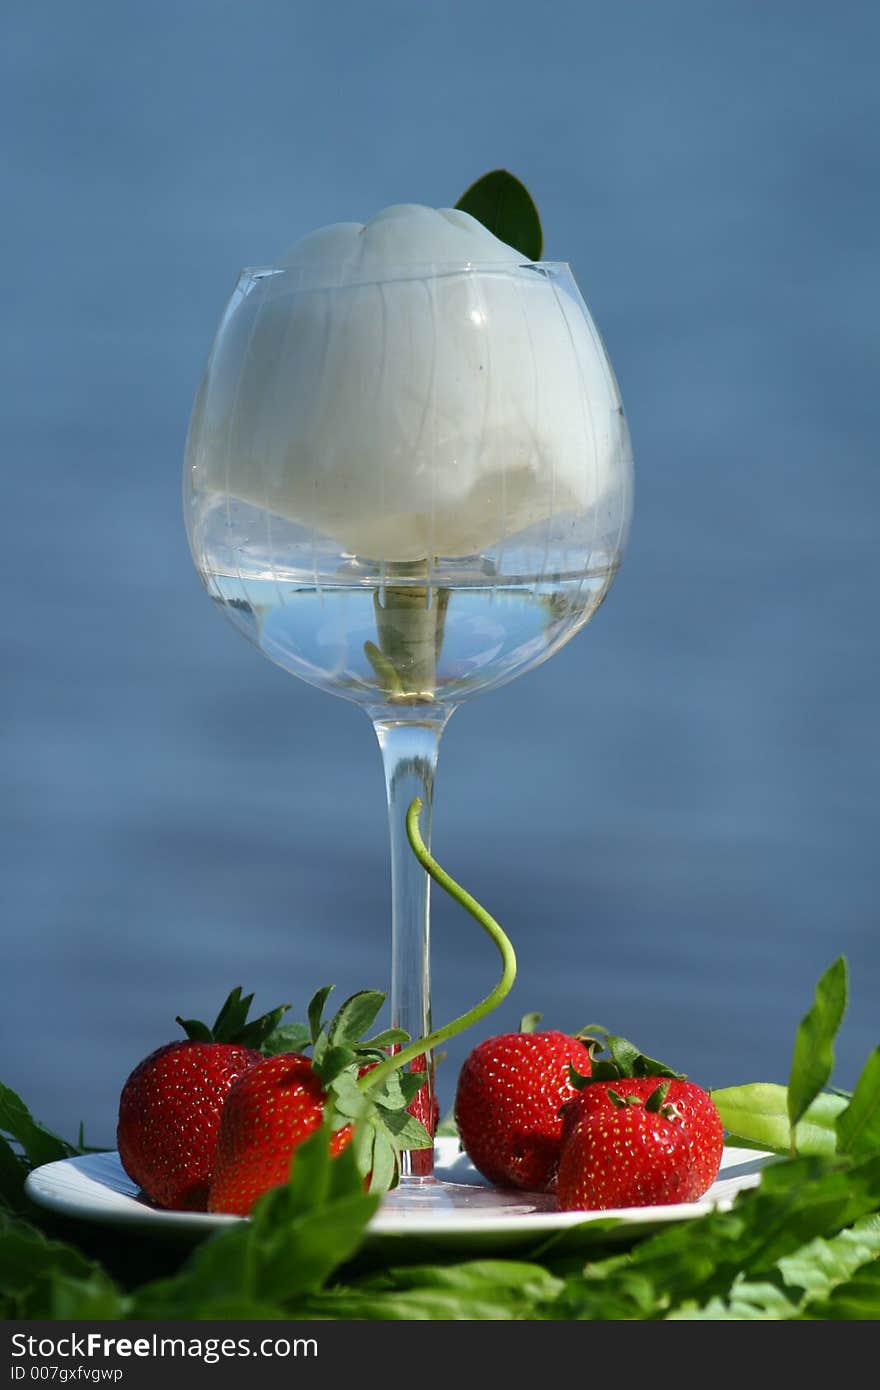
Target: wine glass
(408, 486)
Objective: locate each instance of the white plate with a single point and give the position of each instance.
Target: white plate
(465, 1211)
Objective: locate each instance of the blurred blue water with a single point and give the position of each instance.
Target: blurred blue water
(676, 817)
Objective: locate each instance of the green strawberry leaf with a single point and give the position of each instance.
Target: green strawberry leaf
(355, 1016)
(655, 1100)
(813, 1057)
(624, 1059)
(506, 208)
(329, 1061)
(405, 1130)
(290, 1037)
(383, 1162)
(195, 1030)
(256, 1033)
(349, 1099)
(390, 1037)
(231, 1026)
(858, 1126)
(399, 1089)
(316, 1009)
(529, 1022)
(231, 1016)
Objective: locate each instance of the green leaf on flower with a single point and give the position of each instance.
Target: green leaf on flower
(506, 208)
(813, 1058)
(858, 1126)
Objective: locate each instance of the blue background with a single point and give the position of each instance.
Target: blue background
(675, 817)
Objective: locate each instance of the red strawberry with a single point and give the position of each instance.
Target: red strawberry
(169, 1110)
(630, 1153)
(700, 1120)
(268, 1113)
(507, 1106)
(426, 1108)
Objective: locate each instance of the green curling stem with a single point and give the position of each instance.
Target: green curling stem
(490, 927)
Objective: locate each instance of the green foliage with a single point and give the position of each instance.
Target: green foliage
(506, 208)
(758, 1113)
(813, 1058)
(232, 1026)
(858, 1127)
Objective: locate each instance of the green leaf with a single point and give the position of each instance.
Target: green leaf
(399, 1089)
(348, 1098)
(328, 1062)
(483, 1290)
(813, 1058)
(390, 1037)
(256, 1033)
(506, 208)
(625, 1059)
(383, 1162)
(858, 1126)
(232, 1015)
(529, 1022)
(407, 1132)
(40, 1145)
(290, 1037)
(857, 1300)
(195, 1030)
(655, 1100)
(355, 1016)
(316, 1009)
(13, 1171)
(758, 1113)
(40, 1278)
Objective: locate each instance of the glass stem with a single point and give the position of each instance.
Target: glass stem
(409, 754)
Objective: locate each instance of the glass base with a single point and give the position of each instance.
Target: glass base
(436, 1197)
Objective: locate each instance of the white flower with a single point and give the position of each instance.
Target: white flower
(411, 388)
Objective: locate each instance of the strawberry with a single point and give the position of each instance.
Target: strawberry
(268, 1113)
(632, 1152)
(169, 1110)
(507, 1105)
(700, 1119)
(630, 1072)
(274, 1106)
